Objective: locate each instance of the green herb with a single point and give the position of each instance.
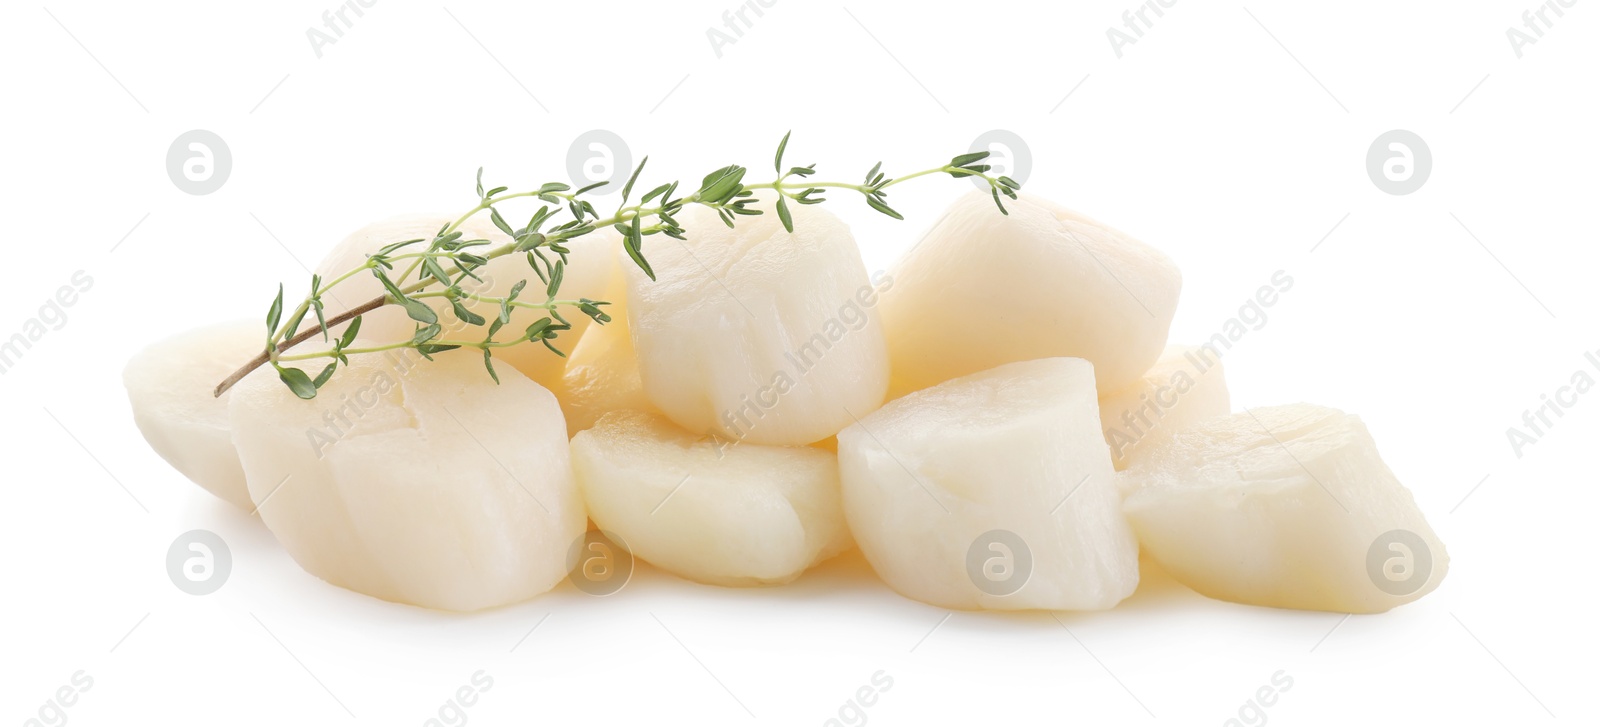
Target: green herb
(437, 270)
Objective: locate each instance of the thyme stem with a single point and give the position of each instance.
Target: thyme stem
(447, 260)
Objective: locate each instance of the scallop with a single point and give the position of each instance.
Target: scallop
(994, 491)
(755, 334)
(413, 481)
(590, 268)
(983, 289)
(732, 514)
(602, 372)
(1287, 506)
(1185, 386)
(170, 387)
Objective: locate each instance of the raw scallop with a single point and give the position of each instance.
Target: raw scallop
(994, 491)
(1184, 387)
(590, 267)
(734, 514)
(984, 289)
(1286, 506)
(169, 385)
(602, 374)
(755, 334)
(413, 481)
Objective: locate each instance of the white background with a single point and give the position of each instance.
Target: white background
(1439, 317)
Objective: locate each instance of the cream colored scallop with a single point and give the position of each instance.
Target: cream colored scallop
(993, 491)
(414, 481)
(983, 289)
(744, 514)
(1184, 387)
(590, 267)
(1288, 506)
(170, 387)
(756, 334)
(602, 374)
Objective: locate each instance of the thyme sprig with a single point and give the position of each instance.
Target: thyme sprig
(440, 267)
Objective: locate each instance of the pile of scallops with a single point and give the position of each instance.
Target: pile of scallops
(998, 422)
